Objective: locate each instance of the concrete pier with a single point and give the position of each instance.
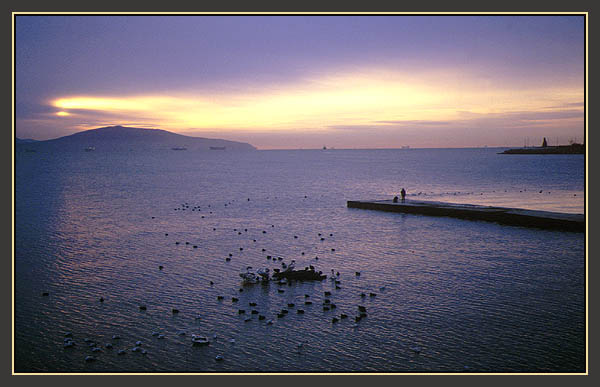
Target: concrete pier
(509, 216)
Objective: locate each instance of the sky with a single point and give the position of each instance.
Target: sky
(289, 82)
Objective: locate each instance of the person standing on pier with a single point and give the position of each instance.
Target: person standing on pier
(403, 194)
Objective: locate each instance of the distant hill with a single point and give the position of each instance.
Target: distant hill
(125, 138)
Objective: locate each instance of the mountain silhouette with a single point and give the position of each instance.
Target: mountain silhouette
(126, 138)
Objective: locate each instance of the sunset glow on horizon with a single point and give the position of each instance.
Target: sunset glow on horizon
(463, 95)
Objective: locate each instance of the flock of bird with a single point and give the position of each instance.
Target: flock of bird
(300, 306)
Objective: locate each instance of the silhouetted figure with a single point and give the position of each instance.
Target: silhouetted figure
(395, 199)
(403, 194)
(544, 143)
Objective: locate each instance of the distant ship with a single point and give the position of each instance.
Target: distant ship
(217, 148)
(90, 148)
(179, 148)
(405, 146)
(324, 148)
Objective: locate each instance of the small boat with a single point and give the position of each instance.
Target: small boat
(217, 148)
(90, 148)
(179, 148)
(200, 340)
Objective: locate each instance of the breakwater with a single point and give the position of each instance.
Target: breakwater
(502, 215)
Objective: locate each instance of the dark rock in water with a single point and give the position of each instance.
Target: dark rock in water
(284, 311)
(327, 293)
(280, 290)
(332, 306)
(307, 302)
(343, 315)
(326, 301)
(363, 315)
(195, 246)
(363, 295)
(332, 249)
(212, 283)
(306, 296)
(280, 315)
(337, 287)
(261, 317)
(334, 320)
(290, 305)
(362, 308)
(303, 275)
(357, 318)
(264, 232)
(254, 311)
(220, 297)
(252, 303)
(101, 299)
(300, 311)
(174, 311)
(160, 267)
(234, 299)
(241, 311)
(142, 307)
(357, 273)
(372, 294)
(176, 243)
(227, 259)
(45, 294)
(241, 290)
(166, 234)
(187, 243)
(325, 308)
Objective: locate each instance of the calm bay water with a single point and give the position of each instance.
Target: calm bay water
(472, 296)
